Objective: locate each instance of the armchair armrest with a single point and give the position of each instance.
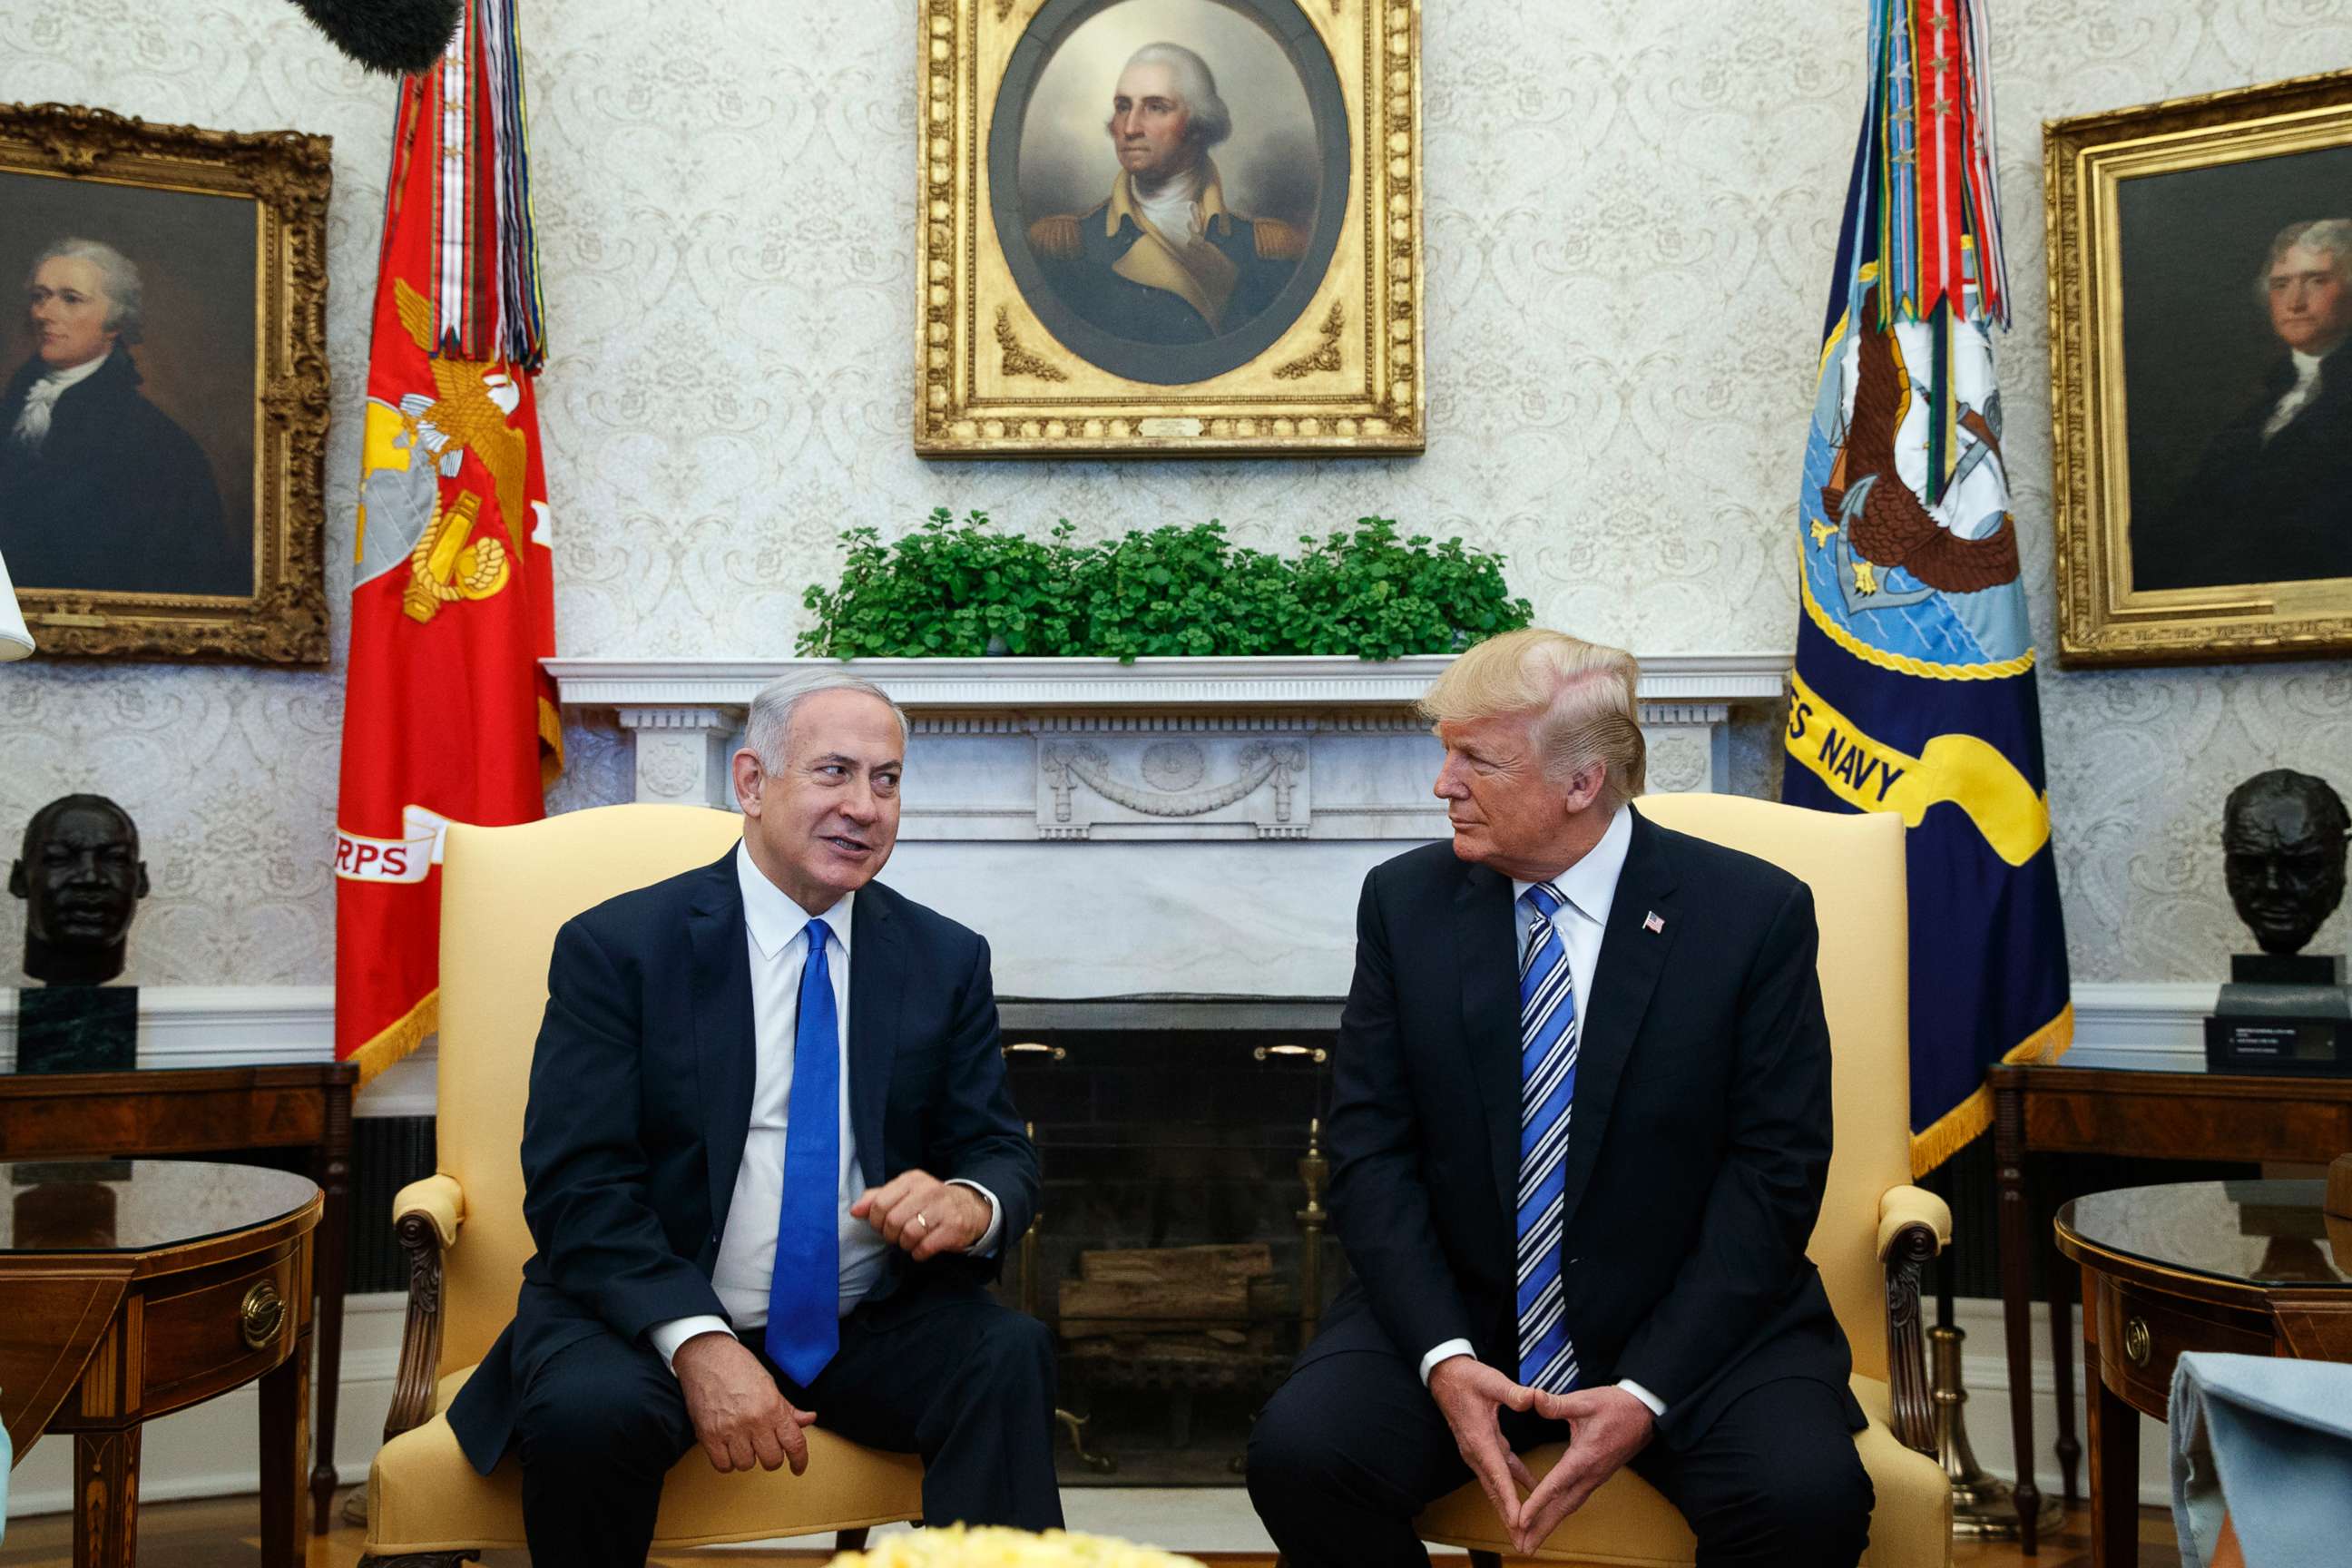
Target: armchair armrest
(426, 1216)
(1904, 1207)
(440, 1199)
(1913, 1227)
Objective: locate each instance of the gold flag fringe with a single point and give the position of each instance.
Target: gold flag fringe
(401, 1039)
(1959, 1127)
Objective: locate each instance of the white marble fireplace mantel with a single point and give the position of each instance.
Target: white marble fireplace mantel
(1176, 824)
(687, 715)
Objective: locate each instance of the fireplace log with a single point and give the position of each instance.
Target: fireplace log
(1092, 1308)
(1166, 1266)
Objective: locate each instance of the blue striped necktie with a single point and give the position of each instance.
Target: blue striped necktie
(805, 1291)
(1546, 1094)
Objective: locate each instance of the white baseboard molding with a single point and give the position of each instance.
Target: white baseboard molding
(213, 1450)
(2143, 1024)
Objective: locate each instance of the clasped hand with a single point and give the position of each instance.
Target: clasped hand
(1606, 1427)
(926, 1217)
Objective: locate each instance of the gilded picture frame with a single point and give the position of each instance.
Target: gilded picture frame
(2200, 375)
(1278, 313)
(169, 501)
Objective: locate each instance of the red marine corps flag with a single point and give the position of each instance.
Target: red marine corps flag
(447, 716)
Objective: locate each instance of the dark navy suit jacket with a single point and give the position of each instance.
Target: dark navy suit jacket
(1700, 1139)
(641, 1101)
(1141, 313)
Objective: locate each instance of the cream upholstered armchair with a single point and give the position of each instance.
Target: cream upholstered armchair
(504, 892)
(1876, 1231)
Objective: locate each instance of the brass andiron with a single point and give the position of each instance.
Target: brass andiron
(1983, 1508)
(1314, 1175)
(1075, 1425)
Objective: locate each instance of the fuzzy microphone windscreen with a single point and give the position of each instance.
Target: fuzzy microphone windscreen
(396, 36)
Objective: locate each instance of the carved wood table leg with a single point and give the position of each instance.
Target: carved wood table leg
(2016, 1295)
(285, 1450)
(2062, 1371)
(106, 1501)
(333, 1248)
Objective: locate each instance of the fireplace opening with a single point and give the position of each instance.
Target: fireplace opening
(1183, 1253)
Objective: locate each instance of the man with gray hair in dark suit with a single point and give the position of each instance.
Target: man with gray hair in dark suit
(770, 1166)
(2271, 500)
(100, 489)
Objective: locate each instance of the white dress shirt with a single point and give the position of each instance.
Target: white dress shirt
(1587, 888)
(745, 1268)
(41, 400)
(2297, 397)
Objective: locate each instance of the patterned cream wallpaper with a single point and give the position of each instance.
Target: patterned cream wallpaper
(1632, 205)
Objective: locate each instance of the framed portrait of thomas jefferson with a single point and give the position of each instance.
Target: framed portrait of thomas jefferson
(2201, 375)
(163, 387)
(1168, 227)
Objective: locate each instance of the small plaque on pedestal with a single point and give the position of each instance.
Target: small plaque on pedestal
(2282, 1012)
(77, 1028)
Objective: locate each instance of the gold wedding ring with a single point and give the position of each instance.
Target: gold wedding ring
(924, 1220)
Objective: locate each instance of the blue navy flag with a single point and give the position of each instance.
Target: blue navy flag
(1913, 687)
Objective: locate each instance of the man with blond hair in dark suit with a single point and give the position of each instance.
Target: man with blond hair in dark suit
(1633, 1277)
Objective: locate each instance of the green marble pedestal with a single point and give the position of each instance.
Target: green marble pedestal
(77, 1028)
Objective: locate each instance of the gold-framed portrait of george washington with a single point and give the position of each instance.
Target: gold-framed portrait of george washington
(164, 396)
(2200, 352)
(1168, 227)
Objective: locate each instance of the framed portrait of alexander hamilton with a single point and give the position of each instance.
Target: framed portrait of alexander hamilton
(2201, 353)
(1168, 227)
(163, 387)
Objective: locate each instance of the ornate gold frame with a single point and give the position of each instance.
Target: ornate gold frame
(1345, 378)
(2101, 619)
(289, 178)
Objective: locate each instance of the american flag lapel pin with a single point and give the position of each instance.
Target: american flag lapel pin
(1654, 924)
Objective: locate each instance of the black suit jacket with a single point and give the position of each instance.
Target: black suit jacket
(117, 497)
(1700, 1142)
(641, 1101)
(2257, 512)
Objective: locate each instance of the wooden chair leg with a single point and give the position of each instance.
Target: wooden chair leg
(422, 1560)
(1486, 1560)
(849, 1541)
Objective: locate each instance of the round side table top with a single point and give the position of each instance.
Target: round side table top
(139, 1205)
(2258, 1234)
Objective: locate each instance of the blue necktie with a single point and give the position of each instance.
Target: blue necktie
(1546, 1094)
(804, 1294)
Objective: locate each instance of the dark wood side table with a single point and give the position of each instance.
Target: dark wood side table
(2252, 1268)
(2152, 1115)
(129, 1290)
(196, 1110)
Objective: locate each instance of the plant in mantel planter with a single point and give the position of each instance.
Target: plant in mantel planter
(964, 590)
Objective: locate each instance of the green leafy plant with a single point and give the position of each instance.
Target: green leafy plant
(961, 590)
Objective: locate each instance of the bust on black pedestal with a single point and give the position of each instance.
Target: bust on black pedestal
(2284, 838)
(81, 879)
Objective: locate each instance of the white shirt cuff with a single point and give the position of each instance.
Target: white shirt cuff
(1445, 1352)
(987, 1242)
(667, 1336)
(1657, 1406)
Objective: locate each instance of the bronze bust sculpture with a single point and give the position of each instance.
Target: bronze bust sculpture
(2284, 838)
(81, 879)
